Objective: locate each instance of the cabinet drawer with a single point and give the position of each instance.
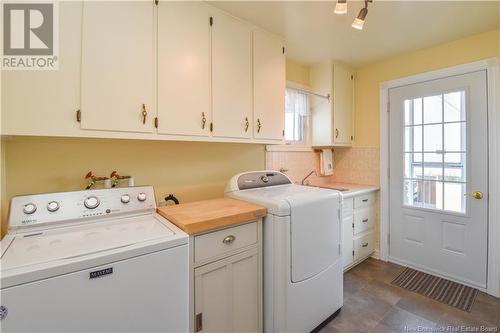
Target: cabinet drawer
(364, 219)
(364, 200)
(364, 245)
(347, 207)
(224, 241)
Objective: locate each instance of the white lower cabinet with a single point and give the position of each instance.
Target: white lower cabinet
(358, 235)
(227, 280)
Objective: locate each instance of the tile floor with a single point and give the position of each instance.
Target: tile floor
(372, 304)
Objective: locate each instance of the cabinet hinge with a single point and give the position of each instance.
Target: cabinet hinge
(156, 122)
(156, 2)
(283, 50)
(211, 127)
(79, 116)
(211, 21)
(198, 322)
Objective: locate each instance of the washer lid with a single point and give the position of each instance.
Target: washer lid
(77, 241)
(276, 198)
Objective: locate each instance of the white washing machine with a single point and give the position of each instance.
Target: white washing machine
(303, 277)
(93, 261)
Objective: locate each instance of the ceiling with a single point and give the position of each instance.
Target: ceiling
(314, 33)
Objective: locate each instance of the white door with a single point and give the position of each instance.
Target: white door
(438, 174)
(343, 94)
(117, 66)
(231, 77)
(269, 86)
(227, 295)
(183, 68)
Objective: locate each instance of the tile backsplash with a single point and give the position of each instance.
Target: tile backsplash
(357, 165)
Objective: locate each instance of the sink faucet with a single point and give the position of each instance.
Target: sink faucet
(303, 182)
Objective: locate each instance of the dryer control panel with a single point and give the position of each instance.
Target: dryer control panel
(258, 179)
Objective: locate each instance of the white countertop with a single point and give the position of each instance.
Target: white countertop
(352, 189)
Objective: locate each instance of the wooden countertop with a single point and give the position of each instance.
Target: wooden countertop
(202, 216)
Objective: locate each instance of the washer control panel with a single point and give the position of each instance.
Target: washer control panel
(47, 208)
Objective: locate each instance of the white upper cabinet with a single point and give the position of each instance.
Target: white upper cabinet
(117, 66)
(269, 86)
(231, 77)
(42, 102)
(183, 68)
(332, 122)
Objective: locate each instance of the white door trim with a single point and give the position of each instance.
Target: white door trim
(491, 66)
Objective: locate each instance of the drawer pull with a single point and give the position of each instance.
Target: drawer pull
(365, 200)
(365, 220)
(228, 240)
(365, 244)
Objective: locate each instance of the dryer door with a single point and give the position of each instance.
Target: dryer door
(315, 233)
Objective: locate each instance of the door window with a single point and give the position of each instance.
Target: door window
(435, 160)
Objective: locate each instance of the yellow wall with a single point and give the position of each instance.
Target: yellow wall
(297, 73)
(368, 78)
(192, 171)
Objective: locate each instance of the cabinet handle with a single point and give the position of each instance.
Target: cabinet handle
(228, 240)
(365, 200)
(336, 133)
(246, 124)
(365, 244)
(203, 120)
(144, 113)
(259, 125)
(365, 220)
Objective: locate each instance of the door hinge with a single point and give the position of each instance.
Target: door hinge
(79, 116)
(352, 137)
(211, 127)
(283, 132)
(211, 21)
(389, 239)
(156, 2)
(353, 253)
(353, 225)
(283, 50)
(156, 122)
(340, 249)
(388, 173)
(388, 106)
(198, 322)
(352, 77)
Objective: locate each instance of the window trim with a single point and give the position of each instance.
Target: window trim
(307, 126)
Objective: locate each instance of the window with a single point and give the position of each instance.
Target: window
(435, 152)
(296, 111)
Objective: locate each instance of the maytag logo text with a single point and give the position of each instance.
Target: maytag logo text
(30, 36)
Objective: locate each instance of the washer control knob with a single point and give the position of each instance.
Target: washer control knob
(264, 179)
(53, 206)
(125, 198)
(29, 208)
(142, 196)
(91, 202)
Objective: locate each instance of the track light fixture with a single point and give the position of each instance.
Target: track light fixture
(359, 21)
(341, 7)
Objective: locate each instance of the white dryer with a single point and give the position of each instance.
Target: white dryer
(303, 277)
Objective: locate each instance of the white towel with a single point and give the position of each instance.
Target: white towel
(326, 162)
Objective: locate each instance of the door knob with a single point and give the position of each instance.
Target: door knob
(476, 195)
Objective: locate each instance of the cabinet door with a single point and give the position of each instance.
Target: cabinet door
(227, 295)
(45, 102)
(343, 87)
(183, 68)
(231, 77)
(117, 66)
(269, 86)
(347, 240)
